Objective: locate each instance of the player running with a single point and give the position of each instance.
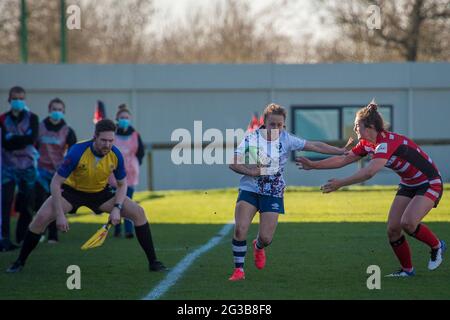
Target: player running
(261, 158)
(82, 181)
(419, 191)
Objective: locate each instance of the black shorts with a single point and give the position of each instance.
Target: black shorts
(91, 200)
(432, 191)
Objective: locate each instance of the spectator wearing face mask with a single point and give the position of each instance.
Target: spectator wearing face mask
(55, 138)
(19, 161)
(130, 145)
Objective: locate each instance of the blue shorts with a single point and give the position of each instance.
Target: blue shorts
(262, 202)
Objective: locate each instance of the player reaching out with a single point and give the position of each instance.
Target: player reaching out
(419, 191)
(262, 185)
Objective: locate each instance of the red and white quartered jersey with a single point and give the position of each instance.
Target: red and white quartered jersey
(405, 157)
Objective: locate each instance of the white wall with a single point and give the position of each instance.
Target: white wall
(166, 97)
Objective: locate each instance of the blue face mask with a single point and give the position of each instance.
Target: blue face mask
(18, 105)
(123, 123)
(57, 115)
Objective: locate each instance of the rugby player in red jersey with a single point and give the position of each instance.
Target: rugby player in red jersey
(419, 191)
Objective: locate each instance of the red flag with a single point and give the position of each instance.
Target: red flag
(100, 112)
(254, 124)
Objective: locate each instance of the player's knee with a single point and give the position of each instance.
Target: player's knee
(140, 212)
(394, 232)
(408, 226)
(138, 216)
(265, 240)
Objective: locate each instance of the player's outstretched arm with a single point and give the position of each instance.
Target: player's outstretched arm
(322, 147)
(361, 175)
(329, 163)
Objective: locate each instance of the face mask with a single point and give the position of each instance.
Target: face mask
(123, 123)
(17, 105)
(56, 115)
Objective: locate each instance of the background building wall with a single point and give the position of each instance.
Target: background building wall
(166, 97)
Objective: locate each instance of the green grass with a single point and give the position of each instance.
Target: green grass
(322, 248)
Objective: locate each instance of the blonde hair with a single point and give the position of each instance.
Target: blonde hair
(122, 108)
(275, 109)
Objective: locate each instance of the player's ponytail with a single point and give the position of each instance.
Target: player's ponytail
(370, 116)
(372, 106)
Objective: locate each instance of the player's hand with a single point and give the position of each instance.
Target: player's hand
(304, 163)
(114, 216)
(62, 223)
(348, 146)
(330, 186)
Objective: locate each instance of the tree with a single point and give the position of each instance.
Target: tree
(229, 33)
(9, 31)
(410, 29)
(116, 32)
(112, 33)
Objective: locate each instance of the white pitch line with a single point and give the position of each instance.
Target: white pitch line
(176, 273)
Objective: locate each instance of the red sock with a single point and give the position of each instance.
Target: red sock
(424, 234)
(403, 252)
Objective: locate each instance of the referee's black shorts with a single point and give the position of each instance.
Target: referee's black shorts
(91, 200)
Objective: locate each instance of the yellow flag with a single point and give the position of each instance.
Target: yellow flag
(98, 238)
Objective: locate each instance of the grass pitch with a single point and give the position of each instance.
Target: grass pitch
(321, 250)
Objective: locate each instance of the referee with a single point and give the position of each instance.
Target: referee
(82, 181)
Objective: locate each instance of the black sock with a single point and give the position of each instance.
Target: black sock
(52, 231)
(144, 237)
(29, 243)
(23, 222)
(261, 245)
